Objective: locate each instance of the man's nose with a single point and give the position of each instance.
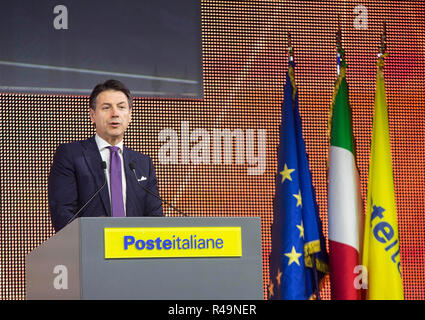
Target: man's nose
(114, 112)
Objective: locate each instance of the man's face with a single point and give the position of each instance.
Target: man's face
(112, 115)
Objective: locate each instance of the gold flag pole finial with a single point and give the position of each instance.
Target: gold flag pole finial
(291, 66)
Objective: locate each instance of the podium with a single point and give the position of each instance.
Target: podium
(80, 262)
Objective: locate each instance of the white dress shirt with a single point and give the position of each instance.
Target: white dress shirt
(105, 153)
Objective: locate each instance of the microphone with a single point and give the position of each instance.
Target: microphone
(77, 214)
(132, 168)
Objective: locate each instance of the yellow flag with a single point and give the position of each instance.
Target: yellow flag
(381, 250)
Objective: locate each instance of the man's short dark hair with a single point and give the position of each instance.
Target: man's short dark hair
(109, 85)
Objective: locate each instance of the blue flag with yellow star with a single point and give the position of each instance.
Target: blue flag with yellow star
(297, 237)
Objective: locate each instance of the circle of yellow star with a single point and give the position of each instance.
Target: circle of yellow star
(301, 228)
(286, 173)
(278, 277)
(298, 197)
(293, 256)
(271, 289)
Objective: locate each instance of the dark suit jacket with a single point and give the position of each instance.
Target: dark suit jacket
(76, 174)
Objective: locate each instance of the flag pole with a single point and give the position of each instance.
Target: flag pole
(290, 48)
(383, 47)
(338, 46)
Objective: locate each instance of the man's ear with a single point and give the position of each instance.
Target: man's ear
(91, 112)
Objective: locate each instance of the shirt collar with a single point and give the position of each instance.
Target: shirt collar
(102, 144)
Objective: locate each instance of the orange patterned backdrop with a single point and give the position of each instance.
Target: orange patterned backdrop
(244, 61)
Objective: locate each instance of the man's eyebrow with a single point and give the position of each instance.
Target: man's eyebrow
(110, 104)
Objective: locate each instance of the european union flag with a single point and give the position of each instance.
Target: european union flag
(297, 237)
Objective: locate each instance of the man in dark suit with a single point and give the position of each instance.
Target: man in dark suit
(79, 170)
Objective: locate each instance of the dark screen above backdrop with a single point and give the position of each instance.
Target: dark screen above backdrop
(68, 47)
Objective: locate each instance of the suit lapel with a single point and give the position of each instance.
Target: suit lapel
(94, 160)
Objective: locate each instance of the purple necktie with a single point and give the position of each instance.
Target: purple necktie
(117, 202)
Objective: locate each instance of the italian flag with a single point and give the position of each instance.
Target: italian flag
(344, 199)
